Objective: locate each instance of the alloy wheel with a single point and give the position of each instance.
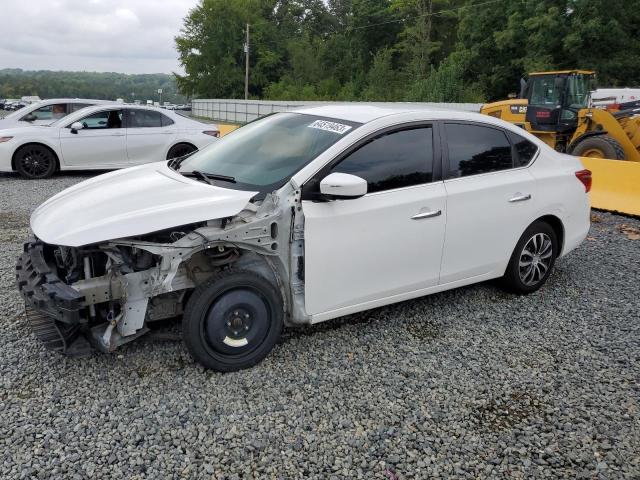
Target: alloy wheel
(35, 162)
(535, 259)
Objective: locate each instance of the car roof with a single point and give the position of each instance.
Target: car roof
(369, 113)
(73, 100)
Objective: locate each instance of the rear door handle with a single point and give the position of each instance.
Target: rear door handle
(420, 216)
(520, 198)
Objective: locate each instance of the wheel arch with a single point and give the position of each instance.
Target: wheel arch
(53, 152)
(180, 142)
(558, 228)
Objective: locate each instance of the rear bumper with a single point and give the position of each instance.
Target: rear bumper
(41, 288)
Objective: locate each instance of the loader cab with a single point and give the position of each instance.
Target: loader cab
(555, 98)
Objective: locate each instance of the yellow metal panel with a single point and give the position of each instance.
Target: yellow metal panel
(616, 184)
(226, 128)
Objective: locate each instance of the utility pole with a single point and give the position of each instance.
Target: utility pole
(246, 66)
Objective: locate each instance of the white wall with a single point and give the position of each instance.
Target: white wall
(242, 111)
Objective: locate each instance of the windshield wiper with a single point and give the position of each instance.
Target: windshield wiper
(175, 162)
(209, 177)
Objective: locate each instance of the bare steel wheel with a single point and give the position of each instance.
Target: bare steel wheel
(535, 259)
(532, 259)
(35, 161)
(233, 320)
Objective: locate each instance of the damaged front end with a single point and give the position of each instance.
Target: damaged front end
(106, 294)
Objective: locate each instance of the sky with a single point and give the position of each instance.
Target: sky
(128, 36)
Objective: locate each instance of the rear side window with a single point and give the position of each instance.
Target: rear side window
(394, 160)
(474, 149)
(144, 119)
(166, 121)
(524, 150)
(74, 107)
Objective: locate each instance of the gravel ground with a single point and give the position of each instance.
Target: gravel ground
(471, 383)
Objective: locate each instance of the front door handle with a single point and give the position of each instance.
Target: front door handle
(431, 214)
(520, 198)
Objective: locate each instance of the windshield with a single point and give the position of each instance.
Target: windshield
(264, 154)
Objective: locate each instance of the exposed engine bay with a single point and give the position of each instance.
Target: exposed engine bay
(107, 294)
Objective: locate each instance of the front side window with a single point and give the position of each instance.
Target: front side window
(144, 119)
(394, 160)
(48, 112)
(475, 149)
(103, 120)
(264, 154)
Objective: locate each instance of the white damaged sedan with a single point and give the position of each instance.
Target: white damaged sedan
(298, 218)
(101, 137)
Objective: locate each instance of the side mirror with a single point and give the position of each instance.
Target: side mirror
(30, 118)
(343, 186)
(75, 126)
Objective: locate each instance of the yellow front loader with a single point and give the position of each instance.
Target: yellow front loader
(556, 107)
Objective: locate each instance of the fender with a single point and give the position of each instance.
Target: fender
(593, 133)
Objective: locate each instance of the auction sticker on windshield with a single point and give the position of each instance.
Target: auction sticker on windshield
(330, 126)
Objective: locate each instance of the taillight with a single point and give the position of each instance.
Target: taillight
(585, 177)
(213, 133)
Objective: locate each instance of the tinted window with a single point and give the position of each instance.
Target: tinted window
(524, 150)
(78, 106)
(394, 160)
(144, 119)
(102, 120)
(474, 149)
(166, 121)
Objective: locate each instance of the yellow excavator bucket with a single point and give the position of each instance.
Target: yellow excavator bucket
(616, 184)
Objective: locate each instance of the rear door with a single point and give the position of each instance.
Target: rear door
(149, 135)
(491, 199)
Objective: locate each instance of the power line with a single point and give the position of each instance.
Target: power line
(434, 14)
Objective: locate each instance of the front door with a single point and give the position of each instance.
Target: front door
(100, 143)
(384, 244)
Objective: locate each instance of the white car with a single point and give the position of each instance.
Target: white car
(46, 112)
(298, 218)
(102, 137)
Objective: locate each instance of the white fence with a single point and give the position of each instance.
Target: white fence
(243, 111)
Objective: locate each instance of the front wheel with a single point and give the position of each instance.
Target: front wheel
(532, 259)
(35, 162)
(232, 321)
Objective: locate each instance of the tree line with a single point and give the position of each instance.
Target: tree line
(402, 50)
(16, 83)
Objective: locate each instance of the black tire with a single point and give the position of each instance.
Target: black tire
(35, 161)
(516, 278)
(180, 150)
(608, 146)
(232, 321)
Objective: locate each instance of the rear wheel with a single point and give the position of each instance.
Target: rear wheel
(600, 146)
(232, 321)
(35, 161)
(532, 259)
(180, 150)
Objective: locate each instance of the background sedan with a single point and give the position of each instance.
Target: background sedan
(102, 137)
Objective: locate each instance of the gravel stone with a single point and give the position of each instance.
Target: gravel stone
(470, 383)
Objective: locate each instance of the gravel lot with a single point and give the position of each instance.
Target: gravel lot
(471, 383)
